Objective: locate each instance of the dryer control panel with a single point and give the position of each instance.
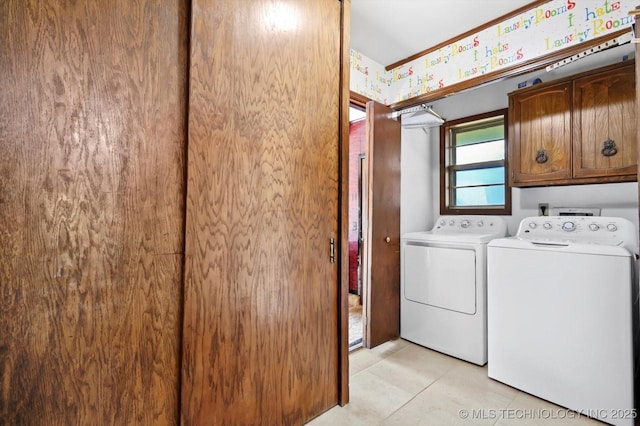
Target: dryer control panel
(574, 229)
(469, 224)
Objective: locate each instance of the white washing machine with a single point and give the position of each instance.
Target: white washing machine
(443, 285)
(562, 313)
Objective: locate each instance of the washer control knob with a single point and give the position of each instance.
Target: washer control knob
(452, 222)
(465, 223)
(569, 226)
(443, 222)
(480, 224)
(612, 227)
(547, 225)
(594, 226)
(533, 225)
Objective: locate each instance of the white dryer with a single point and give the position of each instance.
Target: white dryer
(562, 313)
(443, 285)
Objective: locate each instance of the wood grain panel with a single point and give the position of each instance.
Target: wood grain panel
(605, 108)
(92, 144)
(261, 297)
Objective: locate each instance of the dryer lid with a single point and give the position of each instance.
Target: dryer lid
(470, 229)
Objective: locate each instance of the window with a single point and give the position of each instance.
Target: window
(473, 168)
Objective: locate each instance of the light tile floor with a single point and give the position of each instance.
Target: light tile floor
(355, 326)
(400, 383)
(355, 322)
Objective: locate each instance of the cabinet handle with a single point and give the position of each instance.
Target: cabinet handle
(541, 156)
(609, 148)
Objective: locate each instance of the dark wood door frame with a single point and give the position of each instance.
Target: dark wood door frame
(343, 296)
(637, 22)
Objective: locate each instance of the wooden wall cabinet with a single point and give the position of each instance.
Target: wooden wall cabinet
(576, 130)
(604, 124)
(540, 135)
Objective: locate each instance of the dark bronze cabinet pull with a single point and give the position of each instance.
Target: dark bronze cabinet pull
(541, 156)
(609, 148)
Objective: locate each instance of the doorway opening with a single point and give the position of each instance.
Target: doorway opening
(357, 149)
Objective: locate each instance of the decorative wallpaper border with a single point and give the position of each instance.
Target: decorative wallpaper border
(551, 27)
(369, 78)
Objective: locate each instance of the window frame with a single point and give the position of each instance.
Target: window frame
(447, 170)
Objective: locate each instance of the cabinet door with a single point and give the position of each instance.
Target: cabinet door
(605, 125)
(540, 135)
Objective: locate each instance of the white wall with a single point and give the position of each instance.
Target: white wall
(616, 199)
(416, 212)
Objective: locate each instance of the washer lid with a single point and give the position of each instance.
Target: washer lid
(600, 230)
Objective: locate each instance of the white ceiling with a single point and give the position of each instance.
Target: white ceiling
(391, 30)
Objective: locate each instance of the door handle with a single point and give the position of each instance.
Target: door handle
(388, 239)
(332, 250)
(609, 148)
(541, 156)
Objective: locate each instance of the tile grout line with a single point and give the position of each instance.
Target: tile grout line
(515, 396)
(411, 399)
(419, 392)
(380, 359)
